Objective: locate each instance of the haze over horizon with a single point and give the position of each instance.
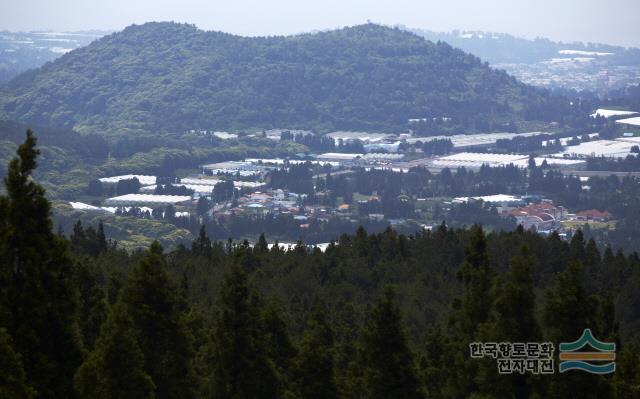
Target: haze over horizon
(568, 21)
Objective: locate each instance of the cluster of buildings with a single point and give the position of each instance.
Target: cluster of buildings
(381, 151)
(577, 72)
(259, 202)
(251, 196)
(537, 213)
(278, 202)
(543, 216)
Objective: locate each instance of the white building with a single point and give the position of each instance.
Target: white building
(630, 121)
(608, 113)
(339, 157)
(147, 199)
(143, 179)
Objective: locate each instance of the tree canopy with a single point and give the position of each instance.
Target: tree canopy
(174, 77)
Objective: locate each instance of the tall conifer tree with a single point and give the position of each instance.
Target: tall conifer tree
(512, 320)
(313, 375)
(389, 369)
(153, 303)
(568, 310)
(13, 381)
(239, 360)
(115, 368)
(38, 304)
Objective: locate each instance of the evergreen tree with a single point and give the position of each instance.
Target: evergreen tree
(115, 368)
(626, 380)
(477, 275)
(279, 345)
(37, 301)
(239, 363)
(101, 238)
(512, 320)
(203, 205)
(313, 375)
(567, 312)
(468, 314)
(514, 306)
(202, 245)
(153, 303)
(93, 304)
(433, 362)
(262, 246)
(13, 381)
(349, 379)
(389, 369)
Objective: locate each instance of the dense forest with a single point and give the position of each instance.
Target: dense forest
(174, 77)
(70, 160)
(374, 316)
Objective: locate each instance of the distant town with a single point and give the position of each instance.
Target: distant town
(253, 187)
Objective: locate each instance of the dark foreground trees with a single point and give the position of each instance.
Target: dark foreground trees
(37, 300)
(115, 368)
(13, 381)
(82, 319)
(239, 364)
(387, 360)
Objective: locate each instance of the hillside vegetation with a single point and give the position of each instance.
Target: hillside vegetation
(382, 315)
(173, 77)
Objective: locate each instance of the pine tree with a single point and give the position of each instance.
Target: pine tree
(349, 379)
(101, 238)
(203, 205)
(389, 369)
(433, 362)
(468, 314)
(93, 304)
(514, 305)
(262, 246)
(567, 309)
(512, 320)
(626, 380)
(567, 312)
(115, 368)
(202, 245)
(239, 363)
(153, 303)
(13, 381)
(279, 345)
(38, 304)
(477, 275)
(313, 375)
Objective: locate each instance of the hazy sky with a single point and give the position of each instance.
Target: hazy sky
(608, 21)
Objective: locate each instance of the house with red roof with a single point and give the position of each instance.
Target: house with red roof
(540, 217)
(594, 215)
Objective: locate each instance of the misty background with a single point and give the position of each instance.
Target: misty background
(612, 22)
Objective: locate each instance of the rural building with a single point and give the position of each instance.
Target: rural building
(594, 215)
(147, 199)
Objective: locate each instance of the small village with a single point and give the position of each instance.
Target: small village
(224, 190)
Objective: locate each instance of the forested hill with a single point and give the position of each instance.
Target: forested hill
(172, 77)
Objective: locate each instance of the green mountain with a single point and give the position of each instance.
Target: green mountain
(174, 77)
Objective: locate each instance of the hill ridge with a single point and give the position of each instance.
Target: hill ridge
(171, 77)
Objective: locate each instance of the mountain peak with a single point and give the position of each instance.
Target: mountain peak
(172, 77)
